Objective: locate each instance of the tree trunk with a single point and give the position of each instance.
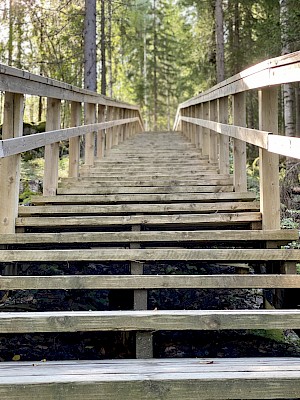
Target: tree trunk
(155, 92)
(109, 49)
(219, 22)
(103, 54)
(90, 61)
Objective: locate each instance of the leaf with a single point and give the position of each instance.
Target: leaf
(16, 357)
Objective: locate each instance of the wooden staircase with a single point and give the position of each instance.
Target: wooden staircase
(153, 198)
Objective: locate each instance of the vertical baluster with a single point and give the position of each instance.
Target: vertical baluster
(74, 142)
(239, 147)
(52, 150)
(101, 132)
(222, 106)
(10, 166)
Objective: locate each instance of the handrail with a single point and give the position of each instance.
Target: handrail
(107, 122)
(204, 120)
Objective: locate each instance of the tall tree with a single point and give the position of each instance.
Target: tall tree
(90, 49)
(219, 28)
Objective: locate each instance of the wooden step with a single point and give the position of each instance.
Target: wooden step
(134, 198)
(148, 179)
(278, 236)
(69, 282)
(171, 320)
(168, 379)
(85, 190)
(149, 220)
(233, 255)
(139, 208)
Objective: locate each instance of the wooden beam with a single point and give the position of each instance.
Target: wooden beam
(222, 111)
(142, 282)
(89, 148)
(10, 167)
(239, 147)
(269, 162)
(74, 142)
(233, 255)
(101, 133)
(50, 181)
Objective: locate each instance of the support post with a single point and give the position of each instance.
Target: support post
(90, 118)
(222, 106)
(51, 150)
(10, 166)
(213, 147)
(206, 134)
(269, 162)
(101, 133)
(74, 142)
(239, 146)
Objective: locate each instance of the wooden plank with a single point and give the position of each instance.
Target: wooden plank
(175, 219)
(284, 235)
(140, 208)
(140, 183)
(10, 167)
(254, 136)
(138, 282)
(50, 181)
(74, 142)
(150, 255)
(286, 146)
(74, 321)
(94, 199)
(23, 82)
(85, 190)
(147, 180)
(18, 145)
(249, 378)
(269, 162)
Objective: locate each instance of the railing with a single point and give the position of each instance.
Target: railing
(204, 120)
(106, 123)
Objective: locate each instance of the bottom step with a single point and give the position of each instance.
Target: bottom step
(167, 379)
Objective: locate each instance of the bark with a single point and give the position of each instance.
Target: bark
(155, 91)
(109, 49)
(219, 23)
(103, 50)
(10, 33)
(90, 62)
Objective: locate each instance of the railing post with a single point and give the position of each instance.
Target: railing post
(51, 150)
(74, 142)
(90, 118)
(222, 106)
(239, 146)
(213, 146)
(101, 132)
(197, 127)
(206, 134)
(10, 166)
(193, 130)
(269, 162)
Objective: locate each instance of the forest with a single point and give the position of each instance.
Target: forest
(155, 53)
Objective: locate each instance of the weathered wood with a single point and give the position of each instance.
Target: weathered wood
(213, 149)
(123, 198)
(101, 133)
(140, 208)
(175, 219)
(141, 282)
(10, 167)
(85, 190)
(89, 148)
(280, 236)
(222, 110)
(269, 162)
(74, 142)
(151, 255)
(74, 321)
(286, 146)
(50, 181)
(206, 133)
(168, 379)
(239, 146)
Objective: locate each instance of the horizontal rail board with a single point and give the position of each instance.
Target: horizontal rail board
(253, 136)
(150, 255)
(69, 282)
(214, 379)
(139, 208)
(74, 321)
(176, 219)
(20, 144)
(284, 235)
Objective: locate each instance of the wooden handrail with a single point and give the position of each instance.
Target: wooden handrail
(106, 121)
(203, 119)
